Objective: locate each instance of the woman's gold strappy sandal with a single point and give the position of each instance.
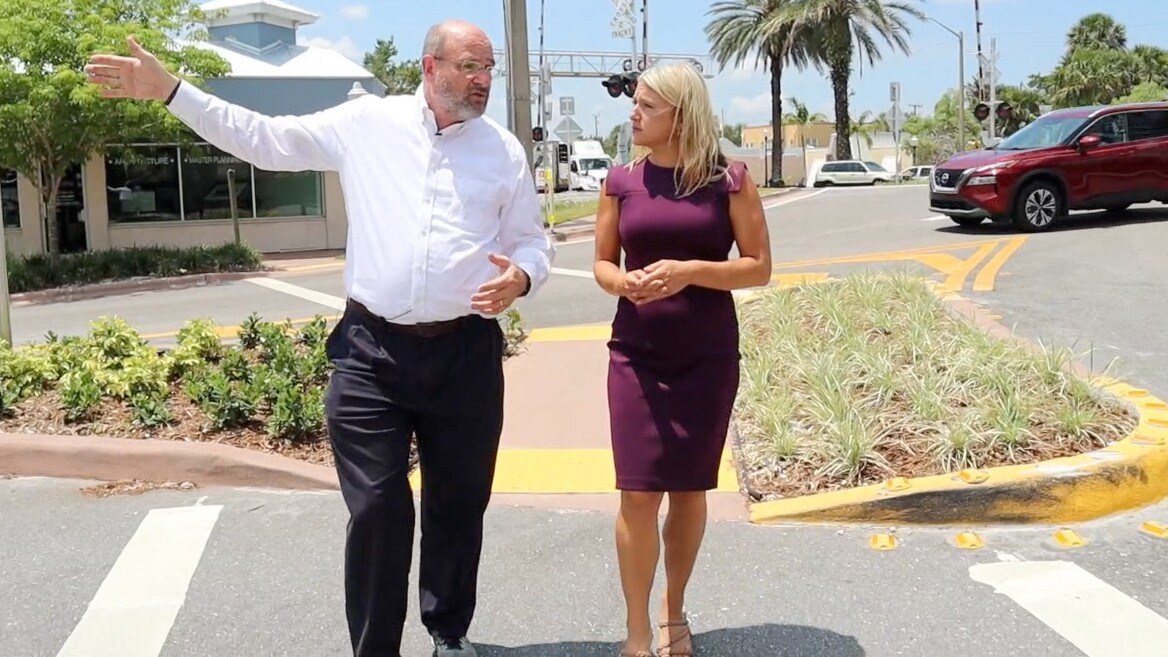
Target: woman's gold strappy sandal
(667, 650)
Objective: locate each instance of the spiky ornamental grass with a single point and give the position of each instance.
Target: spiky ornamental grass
(852, 381)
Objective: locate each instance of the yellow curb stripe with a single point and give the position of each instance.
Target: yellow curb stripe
(567, 471)
(985, 279)
(1126, 475)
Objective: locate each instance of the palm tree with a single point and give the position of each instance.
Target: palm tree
(741, 29)
(1097, 31)
(803, 117)
(835, 29)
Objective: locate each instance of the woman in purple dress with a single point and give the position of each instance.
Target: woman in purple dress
(675, 212)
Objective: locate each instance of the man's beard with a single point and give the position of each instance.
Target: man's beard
(463, 108)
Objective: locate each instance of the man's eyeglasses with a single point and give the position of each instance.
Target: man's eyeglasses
(469, 67)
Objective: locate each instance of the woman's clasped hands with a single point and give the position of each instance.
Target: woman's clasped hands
(656, 281)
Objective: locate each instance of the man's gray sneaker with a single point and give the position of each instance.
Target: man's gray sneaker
(453, 648)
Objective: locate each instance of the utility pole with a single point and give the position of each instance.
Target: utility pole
(993, 87)
(519, 85)
(960, 82)
(5, 302)
(980, 67)
(644, 34)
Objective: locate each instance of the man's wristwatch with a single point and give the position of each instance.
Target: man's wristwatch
(527, 287)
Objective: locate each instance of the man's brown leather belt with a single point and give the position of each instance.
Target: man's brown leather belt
(421, 329)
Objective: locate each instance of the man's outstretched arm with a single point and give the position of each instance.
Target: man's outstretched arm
(282, 143)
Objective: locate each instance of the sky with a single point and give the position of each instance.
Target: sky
(1030, 38)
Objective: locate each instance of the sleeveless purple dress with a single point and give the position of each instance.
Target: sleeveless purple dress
(673, 363)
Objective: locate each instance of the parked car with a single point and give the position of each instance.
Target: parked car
(1083, 158)
(921, 172)
(852, 172)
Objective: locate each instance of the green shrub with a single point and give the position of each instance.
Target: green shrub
(41, 271)
(272, 381)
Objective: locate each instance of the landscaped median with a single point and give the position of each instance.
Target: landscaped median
(872, 399)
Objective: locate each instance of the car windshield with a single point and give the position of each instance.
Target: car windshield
(872, 166)
(1044, 132)
(592, 164)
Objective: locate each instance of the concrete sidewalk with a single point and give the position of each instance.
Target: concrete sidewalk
(556, 451)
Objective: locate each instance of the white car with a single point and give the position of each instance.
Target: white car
(852, 172)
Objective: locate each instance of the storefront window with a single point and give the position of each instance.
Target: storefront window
(284, 194)
(204, 178)
(169, 183)
(142, 184)
(9, 203)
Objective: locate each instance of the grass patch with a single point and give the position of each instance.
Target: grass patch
(264, 391)
(41, 272)
(569, 211)
(850, 382)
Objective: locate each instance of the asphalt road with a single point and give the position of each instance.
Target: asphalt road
(1081, 285)
(269, 583)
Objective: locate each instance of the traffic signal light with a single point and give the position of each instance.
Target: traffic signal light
(981, 112)
(562, 153)
(625, 83)
(1004, 111)
(537, 133)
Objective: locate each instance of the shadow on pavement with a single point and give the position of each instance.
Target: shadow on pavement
(768, 640)
(1086, 220)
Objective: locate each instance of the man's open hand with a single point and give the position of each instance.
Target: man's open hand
(140, 76)
(498, 294)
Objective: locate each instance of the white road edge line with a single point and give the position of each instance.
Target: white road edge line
(939, 217)
(1091, 614)
(336, 303)
(135, 607)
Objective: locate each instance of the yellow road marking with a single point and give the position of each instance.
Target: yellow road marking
(882, 256)
(984, 282)
(792, 280)
(568, 471)
(956, 279)
(323, 265)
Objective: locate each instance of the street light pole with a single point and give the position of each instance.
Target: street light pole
(5, 302)
(960, 82)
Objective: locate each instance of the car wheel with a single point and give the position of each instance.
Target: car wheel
(1038, 206)
(967, 222)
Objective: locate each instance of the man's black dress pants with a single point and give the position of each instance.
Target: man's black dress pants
(444, 384)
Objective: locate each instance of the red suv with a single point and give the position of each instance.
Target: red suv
(1084, 158)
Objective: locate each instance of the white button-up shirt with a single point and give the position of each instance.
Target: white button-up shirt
(425, 207)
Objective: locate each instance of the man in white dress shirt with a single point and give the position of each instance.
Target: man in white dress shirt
(444, 234)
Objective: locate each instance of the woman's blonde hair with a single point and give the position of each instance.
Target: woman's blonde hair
(694, 127)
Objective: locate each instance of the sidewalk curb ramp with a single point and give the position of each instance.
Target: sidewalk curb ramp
(115, 459)
(1124, 476)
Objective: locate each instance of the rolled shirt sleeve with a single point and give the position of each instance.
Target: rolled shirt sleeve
(522, 235)
(313, 142)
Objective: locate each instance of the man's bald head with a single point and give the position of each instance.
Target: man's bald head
(457, 30)
(457, 60)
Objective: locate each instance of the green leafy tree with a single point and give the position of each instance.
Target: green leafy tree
(1097, 31)
(836, 30)
(1145, 92)
(399, 78)
(733, 132)
(762, 31)
(51, 118)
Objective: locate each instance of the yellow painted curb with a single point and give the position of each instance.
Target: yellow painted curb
(1126, 475)
(568, 471)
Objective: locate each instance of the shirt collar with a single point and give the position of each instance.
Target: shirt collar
(431, 121)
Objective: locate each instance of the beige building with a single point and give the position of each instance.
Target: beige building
(818, 135)
(158, 194)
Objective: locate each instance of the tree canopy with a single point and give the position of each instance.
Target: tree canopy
(51, 118)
